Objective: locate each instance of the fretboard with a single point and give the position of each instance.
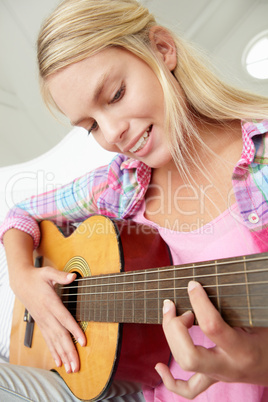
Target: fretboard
(237, 287)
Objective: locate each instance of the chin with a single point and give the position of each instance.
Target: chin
(160, 161)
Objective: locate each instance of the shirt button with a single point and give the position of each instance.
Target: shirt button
(253, 218)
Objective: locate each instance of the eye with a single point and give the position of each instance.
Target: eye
(93, 127)
(119, 94)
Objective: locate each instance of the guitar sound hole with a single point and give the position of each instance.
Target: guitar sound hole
(69, 295)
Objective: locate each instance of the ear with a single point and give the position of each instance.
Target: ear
(164, 46)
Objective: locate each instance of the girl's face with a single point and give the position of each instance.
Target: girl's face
(118, 99)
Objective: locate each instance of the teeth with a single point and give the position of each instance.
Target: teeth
(142, 141)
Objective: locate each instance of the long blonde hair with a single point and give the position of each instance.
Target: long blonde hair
(80, 28)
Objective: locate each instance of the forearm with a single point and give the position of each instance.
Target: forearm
(19, 253)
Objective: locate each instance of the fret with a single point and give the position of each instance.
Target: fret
(152, 296)
(231, 292)
(159, 305)
(123, 297)
(166, 282)
(97, 299)
(86, 312)
(139, 297)
(122, 294)
(194, 278)
(85, 301)
(183, 276)
(145, 297)
(247, 293)
(194, 274)
(102, 300)
(174, 286)
(217, 287)
(128, 315)
(202, 273)
(238, 289)
(111, 299)
(80, 304)
(257, 290)
(114, 301)
(119, 298)
(134, 302)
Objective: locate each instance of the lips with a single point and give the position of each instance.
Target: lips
(142, 141)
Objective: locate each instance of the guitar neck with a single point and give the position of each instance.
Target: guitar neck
(237, 287)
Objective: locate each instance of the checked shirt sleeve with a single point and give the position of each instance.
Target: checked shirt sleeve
(115, 190)
(70, 203)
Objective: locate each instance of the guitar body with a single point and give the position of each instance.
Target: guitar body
(114, 351)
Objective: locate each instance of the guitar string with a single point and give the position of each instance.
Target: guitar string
(152, 310)
(236, 308)
(224, 285)
(101, 316)
(153, 299)
(172, 269)
(103, 305)
(91, 308)
(151, 281)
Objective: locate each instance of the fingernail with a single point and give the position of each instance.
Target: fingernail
(73, 367)
(158, 371)
(80, 341)
(58, 363)
(67, 368)
(166, 306)
(70, 276)
(187, 312)
(192, 285)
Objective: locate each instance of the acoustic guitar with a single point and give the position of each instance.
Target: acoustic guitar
(124, 273)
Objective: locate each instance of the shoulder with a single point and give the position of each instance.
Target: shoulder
(256, 131)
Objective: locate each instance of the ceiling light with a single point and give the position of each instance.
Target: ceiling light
(255, 58)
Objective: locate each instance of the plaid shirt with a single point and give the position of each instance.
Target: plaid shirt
(117, 190)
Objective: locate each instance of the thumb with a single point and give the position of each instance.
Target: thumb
(61, 277)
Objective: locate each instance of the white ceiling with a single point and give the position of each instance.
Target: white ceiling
(222, 27)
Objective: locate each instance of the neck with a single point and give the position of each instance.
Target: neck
(236, 286)
(222, 141)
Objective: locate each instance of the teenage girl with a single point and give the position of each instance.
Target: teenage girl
(191, 159)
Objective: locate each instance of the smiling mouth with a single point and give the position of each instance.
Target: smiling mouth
(142, 141)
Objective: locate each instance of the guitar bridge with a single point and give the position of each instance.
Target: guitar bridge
(28, 337)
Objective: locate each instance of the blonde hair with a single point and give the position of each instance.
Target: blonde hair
(80, 28)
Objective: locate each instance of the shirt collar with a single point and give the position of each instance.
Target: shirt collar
(249, 130)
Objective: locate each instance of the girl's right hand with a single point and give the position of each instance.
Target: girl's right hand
(38, 295)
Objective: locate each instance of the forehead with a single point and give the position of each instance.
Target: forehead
(73, 80)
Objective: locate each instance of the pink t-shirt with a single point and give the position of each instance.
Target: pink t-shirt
(224, 237)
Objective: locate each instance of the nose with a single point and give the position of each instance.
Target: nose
(113, 128)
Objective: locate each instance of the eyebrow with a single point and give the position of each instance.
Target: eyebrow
(96, 95)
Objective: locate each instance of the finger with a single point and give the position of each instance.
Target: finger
(197, 384)
(169, 312)
(55, 276)
(190, 357)
(61, 345)
(68, 355)
(177, 335)
(66, 320)
(58, 309)
(210, 320)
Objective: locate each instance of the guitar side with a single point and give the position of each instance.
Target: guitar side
(99, 241)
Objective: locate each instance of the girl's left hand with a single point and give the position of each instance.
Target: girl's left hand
(239, 355)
